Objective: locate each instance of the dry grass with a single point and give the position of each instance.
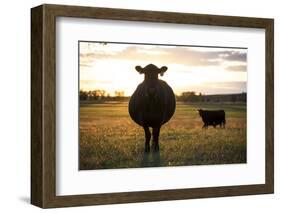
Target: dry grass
(110, 139)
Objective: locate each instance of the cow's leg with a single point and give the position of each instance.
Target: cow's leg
(155, 143)
(147, 138)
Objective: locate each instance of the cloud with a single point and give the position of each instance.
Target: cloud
(237, 68)
(236, 56)
(187, 56)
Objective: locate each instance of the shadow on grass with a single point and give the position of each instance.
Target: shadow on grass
(152, 159)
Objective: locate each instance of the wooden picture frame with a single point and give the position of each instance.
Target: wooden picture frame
(43, 105)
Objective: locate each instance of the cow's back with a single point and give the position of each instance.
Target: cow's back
(146, 111)
(213, 115)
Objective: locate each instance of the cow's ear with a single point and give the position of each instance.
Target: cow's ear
(162, 70)
(139, 69)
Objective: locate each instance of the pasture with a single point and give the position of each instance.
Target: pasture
(108, 138)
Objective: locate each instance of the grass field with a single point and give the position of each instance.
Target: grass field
(110, 139)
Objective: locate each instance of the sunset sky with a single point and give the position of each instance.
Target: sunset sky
(209, 70)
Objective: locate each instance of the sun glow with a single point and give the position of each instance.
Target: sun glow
(111, 67)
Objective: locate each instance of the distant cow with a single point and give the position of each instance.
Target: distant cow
(152, 104)
(212, 117)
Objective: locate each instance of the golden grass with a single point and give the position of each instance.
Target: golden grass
(110, 139)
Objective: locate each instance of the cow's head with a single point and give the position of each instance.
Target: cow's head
(151, 71)
(150, 76)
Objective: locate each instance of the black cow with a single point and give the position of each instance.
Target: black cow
(152, 104)
(212, 117)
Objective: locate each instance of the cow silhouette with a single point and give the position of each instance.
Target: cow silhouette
(152, 104)
(212, 117)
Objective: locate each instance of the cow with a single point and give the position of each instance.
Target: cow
(212, 117)
(152, 104)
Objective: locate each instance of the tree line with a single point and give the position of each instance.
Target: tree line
(99, 94)
(188, 96)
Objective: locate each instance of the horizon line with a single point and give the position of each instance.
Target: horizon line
(196, 93)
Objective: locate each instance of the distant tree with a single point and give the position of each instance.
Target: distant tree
(92, 94)
(96, 94)
(83, 95)
(190, 96)
(102, 93)
(119, 93)
(200, 98)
